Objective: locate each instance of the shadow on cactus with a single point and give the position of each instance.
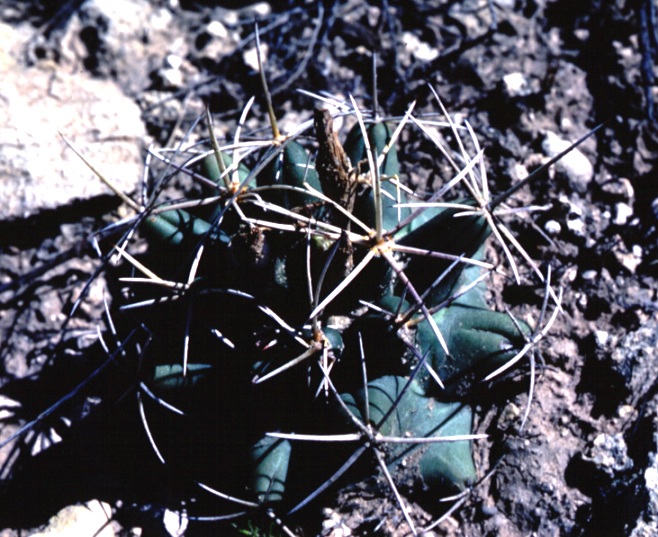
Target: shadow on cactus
(309, 310)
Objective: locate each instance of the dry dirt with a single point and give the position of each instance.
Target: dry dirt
(585, 462)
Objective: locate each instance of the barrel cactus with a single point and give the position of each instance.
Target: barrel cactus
(307, 312)
(318, 309)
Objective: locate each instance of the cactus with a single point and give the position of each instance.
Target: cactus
(318, 290)
(310, 303)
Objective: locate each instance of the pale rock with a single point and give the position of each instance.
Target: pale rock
(333, 525)
(609, 453)
(589, 275)
(516, 85)
(121, 39)
(601, 337)
(577, 227)
(552, 227)
(217, 29)
(37, 169)
(629, 259)
(625, 412)
(175, 523)
(220, 41)
(250, 56)
(623, 213)
(574, 164)
(419, 49)
(75, 520)
(575, 221)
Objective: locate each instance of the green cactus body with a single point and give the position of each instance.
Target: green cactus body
(176, 226)
(413, 414)
(270, 458)
(282, 251)
(175, 377)
(444, 232)
(293, 167)
(479, 340)
(379, 135)
(210, 169)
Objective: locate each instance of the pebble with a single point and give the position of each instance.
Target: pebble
(575, 221)
(75, 520)
(250, 56)
(421, 50)
(609, 453)
(217, 29)
(516, 85)
(623, 213)
(576, 226)
(625, 411)
(574, 164)
(510, 417)
(333, 525)
(620, 189)
(552, 227)
(175, 523)
(629, 259)
(219, 41)
(601, 337)
(589, 275)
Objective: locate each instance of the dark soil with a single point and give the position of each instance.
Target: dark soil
(583, 464)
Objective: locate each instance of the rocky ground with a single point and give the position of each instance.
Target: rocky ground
(114, 76)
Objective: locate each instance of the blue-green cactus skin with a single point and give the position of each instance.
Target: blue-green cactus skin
(413, 414)
(450, 234)
(479, 341)
(292, 167)
(269, 458)
(273, 266)
(379, 136)
(210, 169)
